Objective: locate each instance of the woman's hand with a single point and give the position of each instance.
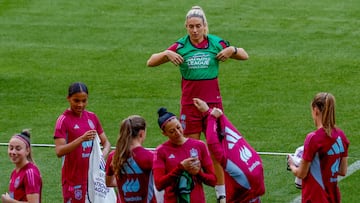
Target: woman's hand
(89, 135)
(200, 105)
(216, 112)
(195, 166)
(224, 54)
(5, 198)
(174, 57)
(191, 165)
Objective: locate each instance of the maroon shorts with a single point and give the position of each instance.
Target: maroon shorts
(74, 194)
(192, 120)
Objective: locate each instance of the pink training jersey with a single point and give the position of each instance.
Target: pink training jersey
(25, 182)
(324, 153)
(167, 168)
(244, 177)
(75, 164)
(135, 183)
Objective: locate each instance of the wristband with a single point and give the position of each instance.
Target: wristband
(235, 50)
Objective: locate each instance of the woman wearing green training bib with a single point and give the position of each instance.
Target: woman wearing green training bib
(198, 55)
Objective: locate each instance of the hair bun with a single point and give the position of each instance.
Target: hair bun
(164, 116)
(26, 132)
(162, 111)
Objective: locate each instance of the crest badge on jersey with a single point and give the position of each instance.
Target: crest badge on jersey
(17, 181)
(78, 192)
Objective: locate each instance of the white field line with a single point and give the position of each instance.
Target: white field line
(351, 169)
(150, 148)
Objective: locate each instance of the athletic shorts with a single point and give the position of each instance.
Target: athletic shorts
(74, 194)
(192, 120)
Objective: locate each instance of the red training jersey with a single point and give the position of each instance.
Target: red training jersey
(167, 168)
(244, 175)
(75, 164)
(24, 182)
(324, 153)
(135, 182)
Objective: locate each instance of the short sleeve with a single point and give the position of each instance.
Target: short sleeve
(108, 167)
(60, 129)
(33, 182)
(309, 147)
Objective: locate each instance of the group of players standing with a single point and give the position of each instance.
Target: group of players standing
(178, 168)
